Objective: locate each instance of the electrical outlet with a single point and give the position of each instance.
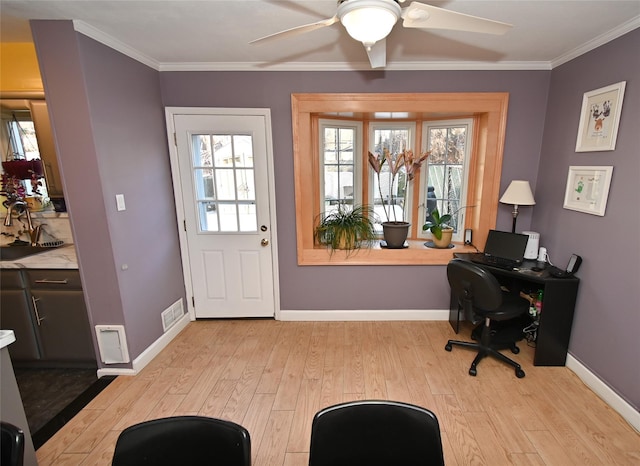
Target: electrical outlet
(120, 202)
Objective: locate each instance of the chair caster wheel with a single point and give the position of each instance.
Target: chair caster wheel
(448, 347)
(515, 349)
(520, 373)
(473, 372)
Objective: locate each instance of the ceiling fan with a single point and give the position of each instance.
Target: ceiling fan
(371, 21)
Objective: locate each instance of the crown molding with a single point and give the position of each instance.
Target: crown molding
(109, 41)
(112, 42)
(602, 39)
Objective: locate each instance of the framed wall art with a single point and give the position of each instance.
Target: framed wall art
(599, 118)
(588, 189)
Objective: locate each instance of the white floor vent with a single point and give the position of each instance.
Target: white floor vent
(112, 343)
(172, 314)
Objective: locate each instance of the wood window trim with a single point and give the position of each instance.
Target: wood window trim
(490, 113)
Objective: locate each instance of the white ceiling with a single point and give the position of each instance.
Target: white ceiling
(215, 34)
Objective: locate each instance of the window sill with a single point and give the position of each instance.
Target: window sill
(416, 254)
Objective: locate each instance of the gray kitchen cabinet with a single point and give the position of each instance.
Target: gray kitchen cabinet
(46, 310)
(61, 316)
(16, 315)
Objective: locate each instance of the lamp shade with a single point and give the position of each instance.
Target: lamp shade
(369, 21)
(518, 193)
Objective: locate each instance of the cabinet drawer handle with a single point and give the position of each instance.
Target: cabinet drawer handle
(53, 282)
(35, 308)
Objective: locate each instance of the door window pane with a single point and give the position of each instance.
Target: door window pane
(224, 177)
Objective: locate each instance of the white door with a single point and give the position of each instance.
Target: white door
(222, 173)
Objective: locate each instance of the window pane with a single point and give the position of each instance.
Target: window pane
(229, 180)
(228, 217)
(204, 183)
(338, 167)
(202, 151)
(225, 185)
(248, 218)
(222, 150)
(243, 150)
(393, 140)
(245, 185)
(208, 216)
(446, 171)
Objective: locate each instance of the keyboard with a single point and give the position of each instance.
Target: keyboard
(493, 261)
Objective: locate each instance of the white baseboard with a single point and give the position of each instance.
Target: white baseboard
(615, 401)
(363, 315)
(151, 352)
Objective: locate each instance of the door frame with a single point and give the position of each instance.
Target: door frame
(170, 112)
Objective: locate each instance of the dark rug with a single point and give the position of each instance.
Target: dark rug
(51, 397)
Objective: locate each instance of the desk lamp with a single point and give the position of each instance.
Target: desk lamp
(518, 193)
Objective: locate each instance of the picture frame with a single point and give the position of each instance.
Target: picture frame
(588, 189)
(599, 118)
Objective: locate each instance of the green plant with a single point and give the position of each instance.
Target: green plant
(346, 228)
(437, 224)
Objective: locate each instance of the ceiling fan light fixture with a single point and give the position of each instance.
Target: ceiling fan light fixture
(369, 21)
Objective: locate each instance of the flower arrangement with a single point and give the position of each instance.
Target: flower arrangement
(12, 189)
(406, 159)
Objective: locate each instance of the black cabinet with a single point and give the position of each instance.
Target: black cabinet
(46, 309)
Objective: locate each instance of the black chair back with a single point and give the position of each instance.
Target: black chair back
(11, 445)
(375, 433)
(188, 440)
(474, 285)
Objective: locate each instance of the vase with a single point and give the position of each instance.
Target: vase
(395, 234)
(445, 241)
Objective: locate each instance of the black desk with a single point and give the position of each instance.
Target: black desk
(558, 305)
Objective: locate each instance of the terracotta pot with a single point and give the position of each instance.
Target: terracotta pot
(445, 241)
(395, 234)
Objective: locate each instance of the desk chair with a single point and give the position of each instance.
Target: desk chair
(479, 295)
(375, 433)
(189, 440)
(12, 445)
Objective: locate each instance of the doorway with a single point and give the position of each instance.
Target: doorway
(222, 169)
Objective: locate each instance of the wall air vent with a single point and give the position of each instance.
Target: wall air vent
(112, 343)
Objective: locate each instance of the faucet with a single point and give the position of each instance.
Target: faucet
(34, 232)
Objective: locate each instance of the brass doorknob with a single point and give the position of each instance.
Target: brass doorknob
(264, 242)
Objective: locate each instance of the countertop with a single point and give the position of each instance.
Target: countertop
(6, 338)
(63, 257)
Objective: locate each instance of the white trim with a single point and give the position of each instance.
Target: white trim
(602, 39)
(112, 42)
(363, 315)
(600, 388)
(356, 66)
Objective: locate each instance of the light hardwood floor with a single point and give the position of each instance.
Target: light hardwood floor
(272, 377)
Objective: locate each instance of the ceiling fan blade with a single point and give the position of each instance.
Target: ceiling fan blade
(298, 30)
(377, 54)
(419, 15)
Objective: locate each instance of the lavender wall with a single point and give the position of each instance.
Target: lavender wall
(108, 121)
(339, 287)
(607, 321)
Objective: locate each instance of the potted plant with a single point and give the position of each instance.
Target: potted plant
(440, 229)
(395, 231)
(346, 228)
